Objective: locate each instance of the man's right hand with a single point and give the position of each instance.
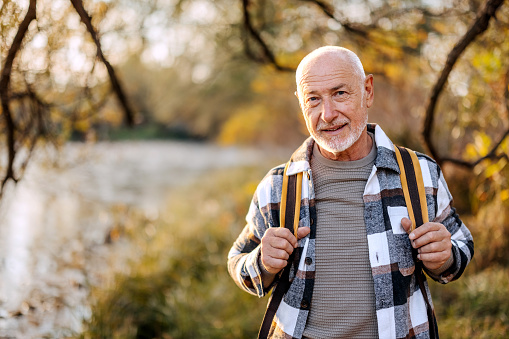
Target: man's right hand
(277, 245)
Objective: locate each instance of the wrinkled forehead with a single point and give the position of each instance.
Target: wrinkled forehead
(326, 70)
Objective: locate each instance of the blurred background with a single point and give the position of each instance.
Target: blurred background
(134, 133)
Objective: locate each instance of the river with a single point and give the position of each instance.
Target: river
(55, 223)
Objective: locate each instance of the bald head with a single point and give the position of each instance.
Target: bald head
(323, 59)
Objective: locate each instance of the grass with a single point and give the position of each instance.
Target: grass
(475, 306)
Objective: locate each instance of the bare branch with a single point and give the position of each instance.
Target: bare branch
(327, 10)
(506, 93)
(491, 155)
(389, 11)
(35, 137)
(478, 27)
(257, 37)
(115, 83)
(4, 91)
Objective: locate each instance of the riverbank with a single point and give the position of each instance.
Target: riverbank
(61, 226)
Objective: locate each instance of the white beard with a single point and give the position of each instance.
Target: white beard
(338, 144)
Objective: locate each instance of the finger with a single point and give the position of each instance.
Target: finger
(423, 229)
(425, 239)
(434, 247)
(280, 243)
(285, 233)
(302, 232)
(281, 233)
(435, 259)
(273, 265)
(406, 224)
(440, 236)
(277, 254)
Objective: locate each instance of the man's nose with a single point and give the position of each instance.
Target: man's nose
(328, 111)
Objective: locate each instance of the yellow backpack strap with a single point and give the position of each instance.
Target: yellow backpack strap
(413, 185)
(290, 201)
(289, 211)
(415, 199)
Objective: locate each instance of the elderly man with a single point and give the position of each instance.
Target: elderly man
(353, 278)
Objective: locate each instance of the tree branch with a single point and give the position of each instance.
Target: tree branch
(4, 91)
(329, 11)
(506, 93)
(491, 155)
(257, 37)
(362, 30)
(478, 27)
(115, 83)
(39, 131)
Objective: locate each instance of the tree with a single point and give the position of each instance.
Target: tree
(386, 34)
(26, 113)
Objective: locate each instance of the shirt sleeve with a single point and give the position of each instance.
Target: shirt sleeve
(436, 272)
(461, 238)
(243, 263)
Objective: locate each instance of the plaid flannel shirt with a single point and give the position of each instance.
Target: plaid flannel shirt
(400, 306)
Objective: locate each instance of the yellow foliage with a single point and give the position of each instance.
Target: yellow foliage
(479, 148)
(250, 188)
(82, 125)
(112, 116)
(489, 64)
(422, 35)
(245, 126)
(482, 143)
(393, 71)
(487, 61)
(258, 86)
(441, 27)
(100, 10)
(413, 41)
(494, 170)
(504, 194)
(269, 80)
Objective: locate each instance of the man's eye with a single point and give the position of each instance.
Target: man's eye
(313, 101)
(340, 92)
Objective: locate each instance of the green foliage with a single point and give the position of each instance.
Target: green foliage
(180, 287)
(475, 306)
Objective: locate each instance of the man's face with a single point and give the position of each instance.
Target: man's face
(334, 100)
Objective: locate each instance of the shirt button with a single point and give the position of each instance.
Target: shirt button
(312, 221)
(304, 304)
(308, 261)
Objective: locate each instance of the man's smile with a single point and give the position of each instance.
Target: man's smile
(333, 129)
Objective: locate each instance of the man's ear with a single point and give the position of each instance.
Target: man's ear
(298, 98)
(370, 90)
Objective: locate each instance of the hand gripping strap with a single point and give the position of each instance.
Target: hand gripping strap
(415, 199)
(289, 212)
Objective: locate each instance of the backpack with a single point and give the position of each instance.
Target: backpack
(415, 199)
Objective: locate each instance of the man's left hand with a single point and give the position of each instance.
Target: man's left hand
(432, 241)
